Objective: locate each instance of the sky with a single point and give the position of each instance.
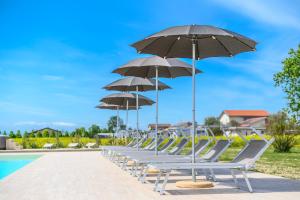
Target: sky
(55, 57)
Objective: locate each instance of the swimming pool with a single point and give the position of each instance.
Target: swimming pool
(11, 163)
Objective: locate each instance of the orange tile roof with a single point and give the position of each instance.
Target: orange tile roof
(246, 113)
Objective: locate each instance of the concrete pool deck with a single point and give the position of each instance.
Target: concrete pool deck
(88, 175)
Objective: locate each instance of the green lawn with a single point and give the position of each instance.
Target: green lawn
(280, 164)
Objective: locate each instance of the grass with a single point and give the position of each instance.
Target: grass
(280, 164)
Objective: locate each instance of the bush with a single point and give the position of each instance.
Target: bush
(284, 143)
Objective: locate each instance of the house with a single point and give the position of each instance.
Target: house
(152, 127)
(46, 130)
(254, 118)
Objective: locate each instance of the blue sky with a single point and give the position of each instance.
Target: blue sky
(56, 55)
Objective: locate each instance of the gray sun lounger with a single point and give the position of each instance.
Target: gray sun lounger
(126, 155)
(212, 155)
(117, 153)
(244, 161)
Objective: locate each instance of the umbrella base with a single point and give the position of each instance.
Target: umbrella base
(192, 184)
(152, 171)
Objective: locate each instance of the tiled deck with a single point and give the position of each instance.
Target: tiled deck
(87, 175)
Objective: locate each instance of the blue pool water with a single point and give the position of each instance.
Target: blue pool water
(11, 163)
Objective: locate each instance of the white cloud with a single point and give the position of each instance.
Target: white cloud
(52, 78)
(64, 124)
(268, 11)
(37, 123)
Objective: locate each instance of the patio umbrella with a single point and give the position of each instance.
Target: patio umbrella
(135, 84)
(196, 42)
(128, 99)
(116, 107)
(156, 66)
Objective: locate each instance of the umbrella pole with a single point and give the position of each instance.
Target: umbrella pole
(156, 118)
(194, 110)
(118, 124)
(127, 115)
(137, 113)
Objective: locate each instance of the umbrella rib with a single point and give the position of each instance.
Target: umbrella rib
(226, 49)
(171, 46)
(244, 43)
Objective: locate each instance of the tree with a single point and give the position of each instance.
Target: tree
(94, 130)
(4, 133)
(18, 134)
(45, 133)
(11, 134)
(112, 123)
(213, 121)
(289, 80)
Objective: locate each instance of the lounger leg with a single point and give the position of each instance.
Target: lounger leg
(157, 181)
(247, 181)
(162, 189)
(143, 178)
(124, 163)
(141, 172)
(234, 178)
(212, 174)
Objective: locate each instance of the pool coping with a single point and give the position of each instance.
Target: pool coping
(47, 150)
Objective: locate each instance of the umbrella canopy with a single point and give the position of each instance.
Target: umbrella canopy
(146, 68)
(135, 84)
(176, 42)
(156, 67)
(114, 107)
(122, 98)
(196, 42)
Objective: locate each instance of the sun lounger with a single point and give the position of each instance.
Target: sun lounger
(244, 161)
(91, 145)
(48, 146)
(73, 145)
(211, 156)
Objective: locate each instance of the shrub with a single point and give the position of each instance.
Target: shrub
(284, 143)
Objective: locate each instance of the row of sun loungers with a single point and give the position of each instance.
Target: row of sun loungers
(170, 158)
(71, 145)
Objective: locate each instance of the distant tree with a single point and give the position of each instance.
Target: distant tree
(112, 123)
(213, 121)
(18, 134)
(4, 133)
(234, 123)
(66, 134)
(26, 134)
(11, 134)
(45, 133)
(93, 130)
(39, 134)
(289, 80)
(52, 134)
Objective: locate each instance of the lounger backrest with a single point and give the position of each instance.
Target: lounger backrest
(159, 141)
(140, 142)
(152, 141)
(165, 147)
(215, 152)
(252, 151)
(133, 142)
(179, 147)
(199, 147)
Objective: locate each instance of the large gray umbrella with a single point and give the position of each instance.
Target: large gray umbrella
(196, 42)
(116, 107)
(128, 99)
(135, 84)
(156, 66)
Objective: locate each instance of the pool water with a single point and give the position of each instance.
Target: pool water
(11, 163)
